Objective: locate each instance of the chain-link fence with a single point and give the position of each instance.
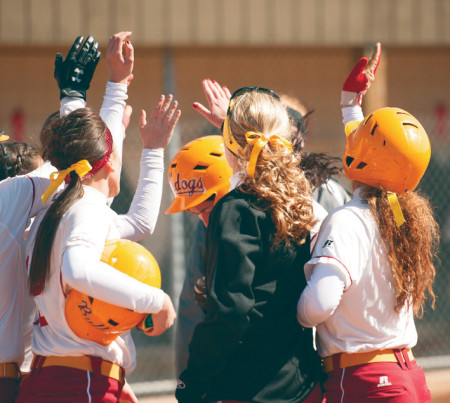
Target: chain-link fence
(417, 81)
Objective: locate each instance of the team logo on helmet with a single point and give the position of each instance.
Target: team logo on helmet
(189, 187)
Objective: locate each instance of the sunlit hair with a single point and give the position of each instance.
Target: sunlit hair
(279, 182)
(411, 248)
(77, 136)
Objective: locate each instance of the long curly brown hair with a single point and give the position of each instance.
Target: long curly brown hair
(411, 248)
(279, 182)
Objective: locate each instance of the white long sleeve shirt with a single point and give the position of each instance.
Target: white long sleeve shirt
(350, 294)
(75, 263)
(20, 200)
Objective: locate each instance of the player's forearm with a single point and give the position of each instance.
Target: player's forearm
(82, 271)
(111, 112)
(352, 113)
(140, 221)
(69, 105)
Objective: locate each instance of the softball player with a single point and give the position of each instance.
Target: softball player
(373, 261)
(77, 224)
(249, 347)
(15, 333)
(199, 176)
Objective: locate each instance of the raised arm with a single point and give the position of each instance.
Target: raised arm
(120, 60)
(74, 74)
(357, 83)
(218, 98)
(140, 221)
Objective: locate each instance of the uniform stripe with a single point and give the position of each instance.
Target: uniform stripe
(88, 386)
(342, 385)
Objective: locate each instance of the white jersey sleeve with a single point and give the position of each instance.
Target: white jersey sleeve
(81, 269)
(69, 105)
(352, 113)
(140, 221)
(321, 295)
(338, 244)
(112, 110)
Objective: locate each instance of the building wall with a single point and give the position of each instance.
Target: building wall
(229, 22)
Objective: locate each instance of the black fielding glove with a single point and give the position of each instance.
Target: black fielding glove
(74, 74)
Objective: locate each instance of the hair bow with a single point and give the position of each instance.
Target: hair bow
(81, 168)
(258, 141)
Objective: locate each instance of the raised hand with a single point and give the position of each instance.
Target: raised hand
(158, 130)
(120, 58)
(218, 98)
(360, 78)
(74, 74)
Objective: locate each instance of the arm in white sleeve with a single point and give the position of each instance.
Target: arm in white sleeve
(140, 221)
(321, 296)
(111, 112)
(68, 105)
(82, 271)
(352, 113)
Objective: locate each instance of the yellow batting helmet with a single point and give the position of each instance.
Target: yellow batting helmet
(198, 171)
(99, 321)
(389, 150)
(3, 136)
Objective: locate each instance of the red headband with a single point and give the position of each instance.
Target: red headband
(96, 166)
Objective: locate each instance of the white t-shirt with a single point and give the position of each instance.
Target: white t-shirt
(355, 312)
(20, 200)
(75, 263)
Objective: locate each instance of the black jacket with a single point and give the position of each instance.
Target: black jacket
(250, 346)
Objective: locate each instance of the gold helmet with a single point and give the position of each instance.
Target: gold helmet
(198, 171)
(95, 320)
(389, 150)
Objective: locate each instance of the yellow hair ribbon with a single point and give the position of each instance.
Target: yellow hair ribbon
(396, 209)
(258, 141)
(81, 168)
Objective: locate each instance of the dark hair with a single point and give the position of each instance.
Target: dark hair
(320, 168)
(17, 158)
(80, 135)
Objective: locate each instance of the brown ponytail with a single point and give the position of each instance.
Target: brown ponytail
(80, 135)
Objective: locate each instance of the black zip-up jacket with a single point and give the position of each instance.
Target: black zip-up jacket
(250, 346)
